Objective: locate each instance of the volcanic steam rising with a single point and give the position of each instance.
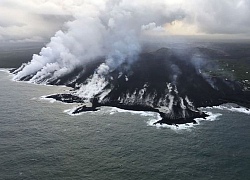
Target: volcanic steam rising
(113, 30)
(101, 56)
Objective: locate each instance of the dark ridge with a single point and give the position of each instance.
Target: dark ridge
(181, 120)
(66, 98)
(84, 109)
(12, 70)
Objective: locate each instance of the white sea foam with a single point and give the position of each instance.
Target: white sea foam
(6, 70)
(154, 117)
(211, 117)
(228, 107)
(187, 126)
(70, 111)
(114, 110)
(52, 100)
(44, 98)
(151, 116)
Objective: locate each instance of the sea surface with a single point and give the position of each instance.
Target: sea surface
(40, 140)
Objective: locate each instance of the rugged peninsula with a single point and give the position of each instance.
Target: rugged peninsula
(168, 81)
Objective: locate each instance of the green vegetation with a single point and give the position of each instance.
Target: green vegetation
(229, 61)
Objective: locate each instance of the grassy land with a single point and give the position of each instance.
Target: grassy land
(229, 61)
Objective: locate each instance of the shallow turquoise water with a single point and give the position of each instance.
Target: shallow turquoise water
(39, 141)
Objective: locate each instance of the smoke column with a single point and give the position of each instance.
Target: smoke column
(112, 29)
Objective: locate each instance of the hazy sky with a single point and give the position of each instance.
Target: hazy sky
(38, 20)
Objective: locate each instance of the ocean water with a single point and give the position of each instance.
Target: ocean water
(40, 140)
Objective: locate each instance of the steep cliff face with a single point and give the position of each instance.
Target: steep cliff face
(170, 83)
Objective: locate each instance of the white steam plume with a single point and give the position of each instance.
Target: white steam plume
(111, 29)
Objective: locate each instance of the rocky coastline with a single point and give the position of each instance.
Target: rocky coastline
(175, 85)
(95, 106)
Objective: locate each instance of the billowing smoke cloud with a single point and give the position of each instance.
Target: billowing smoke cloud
(112, 30)
(34, 20)
(115, 30)
(220, 17)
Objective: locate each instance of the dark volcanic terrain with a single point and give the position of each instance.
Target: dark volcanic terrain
(174, 82)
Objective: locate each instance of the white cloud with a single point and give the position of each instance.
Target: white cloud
(116, 29)
(220, 17)
(40, 19)
(31, 19)
(152, 27)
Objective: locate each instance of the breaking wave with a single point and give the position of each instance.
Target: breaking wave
(232, 108)
(187, 126)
